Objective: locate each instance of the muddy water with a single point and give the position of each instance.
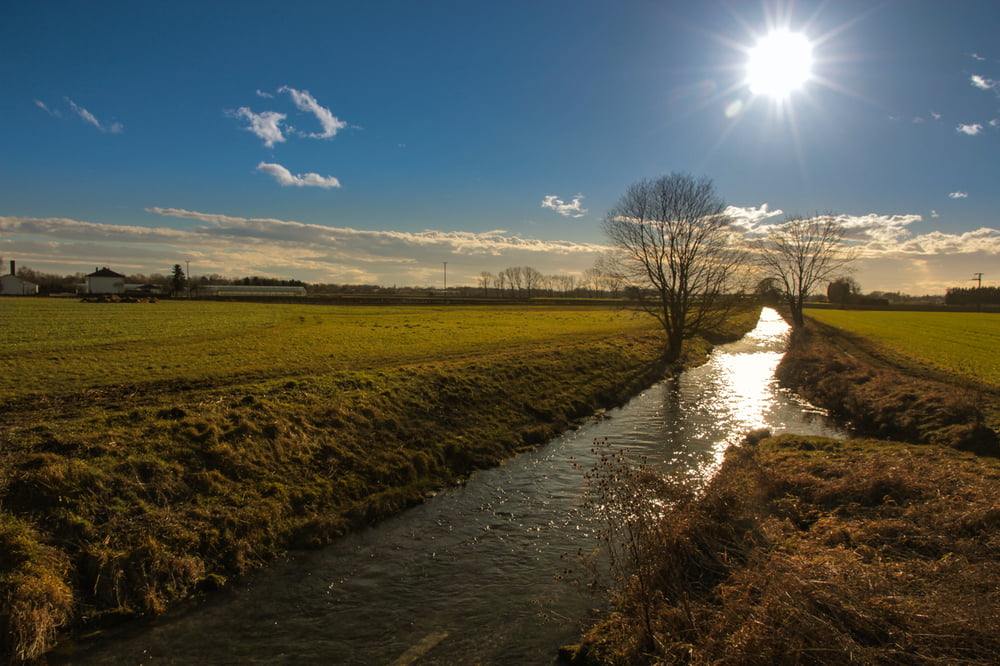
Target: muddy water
(475, 575)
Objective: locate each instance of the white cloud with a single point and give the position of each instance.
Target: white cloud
(935, 115)
(995, 122)
(971, 130)
(266, 125)
(983, 83)
(891, 256)
(875, 231)
(571, 209)
(934, 213)
(976, 56)
(751, 218)
(958, 195)
(306, 102)
(285, 177)
(266, 95)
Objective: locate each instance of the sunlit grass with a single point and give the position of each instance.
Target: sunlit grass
(966, 343)
(49, 345)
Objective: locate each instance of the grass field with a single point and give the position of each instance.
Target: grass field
(966, 343)
(60, 346)
(149, 452)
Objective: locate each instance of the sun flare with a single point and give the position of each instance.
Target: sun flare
(779, 64)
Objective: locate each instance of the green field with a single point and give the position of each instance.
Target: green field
(61, 346)
(966, 343)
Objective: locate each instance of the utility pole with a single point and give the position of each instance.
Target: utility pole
(978, 277)
(445, 277)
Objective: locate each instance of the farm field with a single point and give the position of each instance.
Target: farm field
(154, 451)
(966, 343)
(60, 346)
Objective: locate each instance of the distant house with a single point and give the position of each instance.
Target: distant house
(11, 285)
(105, 281)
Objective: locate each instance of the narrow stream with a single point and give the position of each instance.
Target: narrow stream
(473, 575)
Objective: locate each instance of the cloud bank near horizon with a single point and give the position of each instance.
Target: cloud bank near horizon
(892, 257)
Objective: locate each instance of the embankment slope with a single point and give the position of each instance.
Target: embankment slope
(809, 550)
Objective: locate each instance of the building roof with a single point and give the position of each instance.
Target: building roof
(106, 272)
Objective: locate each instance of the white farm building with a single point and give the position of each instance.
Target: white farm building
(105, 281)
(11, 285)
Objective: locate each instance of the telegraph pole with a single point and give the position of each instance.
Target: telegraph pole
(978, 277)
(445, 277)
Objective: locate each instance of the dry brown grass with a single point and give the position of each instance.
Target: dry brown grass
(816, 551)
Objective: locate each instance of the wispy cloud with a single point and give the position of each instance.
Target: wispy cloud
(285, 177)
(237, 246)
(891, 255)
(52, 112)
(306, 102)
(266, 125)
(976, 56)
(88, 117)
(958, 195)
(572, 209)
(114, 128)
(970, 129)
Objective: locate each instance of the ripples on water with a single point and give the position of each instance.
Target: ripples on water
(472, 576)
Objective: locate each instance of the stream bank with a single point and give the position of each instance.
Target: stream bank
(484, 573)
(115, 509)
(806, 549)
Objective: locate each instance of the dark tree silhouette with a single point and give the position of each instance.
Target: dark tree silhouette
(177, 280)
(675, 246)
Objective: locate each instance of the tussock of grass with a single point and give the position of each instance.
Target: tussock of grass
(817, 551)
(35, 588)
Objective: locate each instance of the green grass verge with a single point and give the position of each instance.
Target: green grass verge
(964, 343)
(54, 346)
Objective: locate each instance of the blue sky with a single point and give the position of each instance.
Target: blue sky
(373, 141)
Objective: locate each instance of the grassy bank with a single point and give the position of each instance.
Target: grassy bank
(890, 395)
(123, 492)
(807, 550)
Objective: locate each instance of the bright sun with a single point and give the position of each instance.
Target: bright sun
(779, 64)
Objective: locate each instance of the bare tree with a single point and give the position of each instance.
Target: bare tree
(515, 279)
(532, 280)
(675, 245)
(486, 280)
(802, 253)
